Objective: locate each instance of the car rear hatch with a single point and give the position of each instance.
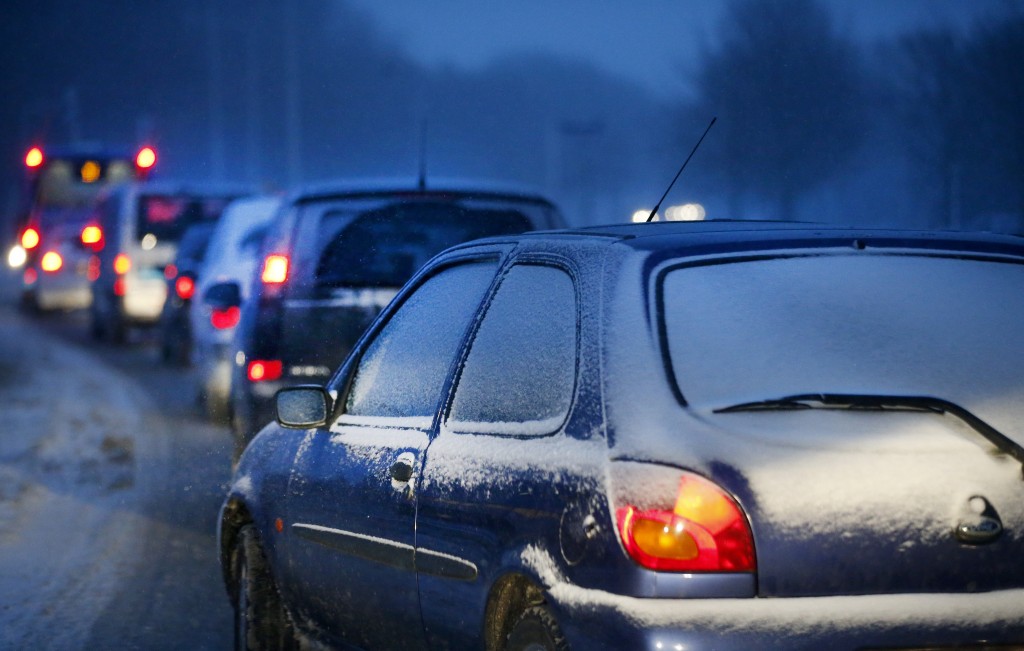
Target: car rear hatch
(865, 409)
(850, 501)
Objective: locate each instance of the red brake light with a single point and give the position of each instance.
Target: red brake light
(275, 269)
(262, 370)
(184, 287)
(704, 531)
(227, 318)
(51, 262)
(122, 264)
(29, 238)
(34, 158)
(119, 288)
(92, 237)
(146, 158)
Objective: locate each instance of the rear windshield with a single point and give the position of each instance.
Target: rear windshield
(868, 324)
(384, 245)
(167, 217)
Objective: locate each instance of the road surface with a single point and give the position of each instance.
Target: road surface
(110, 482)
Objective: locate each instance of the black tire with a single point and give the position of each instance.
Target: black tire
(536, 630)
(261, 623)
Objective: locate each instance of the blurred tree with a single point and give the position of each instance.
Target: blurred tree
(995, 79)
(787, 91)
(962, 98)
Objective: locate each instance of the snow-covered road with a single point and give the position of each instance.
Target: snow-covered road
(94, 506)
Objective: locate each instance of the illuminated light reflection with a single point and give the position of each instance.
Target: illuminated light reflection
(51, 262)
(640, 216)
(149, 242)
(90, 171)
(688, 212)
(16, 257)
(34, 157)
(146, 158)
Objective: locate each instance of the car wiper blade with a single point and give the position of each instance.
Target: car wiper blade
(880, 402)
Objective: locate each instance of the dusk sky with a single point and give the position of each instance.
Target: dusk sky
(649, 41)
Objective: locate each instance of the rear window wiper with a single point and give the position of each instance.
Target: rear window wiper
(879, 402)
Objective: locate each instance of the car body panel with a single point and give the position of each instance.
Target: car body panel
(854, 512)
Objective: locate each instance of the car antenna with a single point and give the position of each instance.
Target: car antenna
(669, 188)
(423, 155)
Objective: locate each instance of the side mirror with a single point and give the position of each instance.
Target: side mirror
(222, 296)
(303, 407)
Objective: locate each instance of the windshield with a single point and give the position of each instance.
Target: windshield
(899, 325)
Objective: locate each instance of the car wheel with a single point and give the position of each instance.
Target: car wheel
(536, 630)
(261, 623)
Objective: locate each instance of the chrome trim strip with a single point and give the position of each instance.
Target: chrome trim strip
(388, 552)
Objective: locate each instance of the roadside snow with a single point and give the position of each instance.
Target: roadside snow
(69, 457)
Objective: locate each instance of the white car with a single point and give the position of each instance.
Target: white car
(141, 225)
(229, 267)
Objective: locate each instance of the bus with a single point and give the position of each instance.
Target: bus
(57, 233)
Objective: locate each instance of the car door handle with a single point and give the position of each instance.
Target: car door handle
(401, 470)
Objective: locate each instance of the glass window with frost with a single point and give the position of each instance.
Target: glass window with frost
(403, 369)
(521, 369)
(891, 325)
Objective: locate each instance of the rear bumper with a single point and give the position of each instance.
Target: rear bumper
(594, 619)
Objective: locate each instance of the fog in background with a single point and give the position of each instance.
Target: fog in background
(824, 112)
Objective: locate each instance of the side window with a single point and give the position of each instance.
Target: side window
(520, 373)
(402, 371)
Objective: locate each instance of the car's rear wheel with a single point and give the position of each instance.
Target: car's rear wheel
(536, 630)
(261, 623)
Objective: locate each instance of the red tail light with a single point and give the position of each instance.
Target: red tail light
(51, 262)
(170, 271)
(275, 269)
(34, 158)
(184, 287)
(122, 264)
(263, 370)
(146, 158)
(92, 237)
(119, 286)
(30, 276)
(29, 238)
(227, 318)
(703, 531)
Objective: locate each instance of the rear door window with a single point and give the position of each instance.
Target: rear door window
(520, 373)
(399, 379)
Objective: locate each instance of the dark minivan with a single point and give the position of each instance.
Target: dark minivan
(334, 257)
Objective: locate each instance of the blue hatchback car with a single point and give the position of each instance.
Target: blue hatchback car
(658, 436)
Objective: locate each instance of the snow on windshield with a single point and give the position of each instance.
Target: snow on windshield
(871, 324)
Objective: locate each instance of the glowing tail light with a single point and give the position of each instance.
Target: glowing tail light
(146, 158)
(30, 276)
(263, 370)
(119, 286)
(227, 318)
(122, 264)
(51, 262)
(34, 158)
(92, 237)
(703, 531)
(29, 238)
(184, 287)
(275, 269)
